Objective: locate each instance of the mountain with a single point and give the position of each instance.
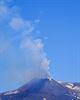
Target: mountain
(44, 89)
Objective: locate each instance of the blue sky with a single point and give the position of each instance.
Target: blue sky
(60, 22)
(57, 24)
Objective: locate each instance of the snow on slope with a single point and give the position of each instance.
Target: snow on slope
(44, 89)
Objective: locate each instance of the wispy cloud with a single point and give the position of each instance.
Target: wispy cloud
(18, 24)
(26, 57)
(3, 45)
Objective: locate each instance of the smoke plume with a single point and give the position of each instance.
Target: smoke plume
(23, 56)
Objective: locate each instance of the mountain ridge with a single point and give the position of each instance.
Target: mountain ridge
(43, 89)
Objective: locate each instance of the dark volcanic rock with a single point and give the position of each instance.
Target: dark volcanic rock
(41, 89)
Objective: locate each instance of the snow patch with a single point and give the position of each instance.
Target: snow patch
(44, 99)
(11, 92)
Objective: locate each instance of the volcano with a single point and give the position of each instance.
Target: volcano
(44, 89)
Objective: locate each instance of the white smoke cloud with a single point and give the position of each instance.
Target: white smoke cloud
(19, 24)
(3, 45)
(36, 48)
(26, 58)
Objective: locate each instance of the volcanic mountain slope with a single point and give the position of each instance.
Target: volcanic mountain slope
(44, 89)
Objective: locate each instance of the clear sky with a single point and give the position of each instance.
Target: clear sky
(58, 25)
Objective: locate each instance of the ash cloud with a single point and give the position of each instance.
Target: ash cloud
(24, 55)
